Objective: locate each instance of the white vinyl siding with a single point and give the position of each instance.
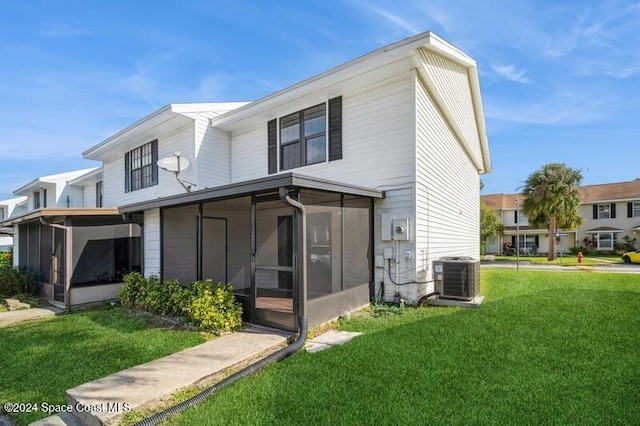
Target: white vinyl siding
(452, 84)
(180, 140)
(151, 242)
(214, 158)
(376, 133)
(448, 191)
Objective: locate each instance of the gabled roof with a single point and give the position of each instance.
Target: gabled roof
(264, 108)
(38, 182)
(91, 176)
(610, 192)
(601, 193)
(168, 117)
(12, 201)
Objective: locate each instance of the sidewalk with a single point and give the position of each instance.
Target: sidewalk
(107, 399)
(10, 318)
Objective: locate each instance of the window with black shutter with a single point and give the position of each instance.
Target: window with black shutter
(141, 168)
(304, 137)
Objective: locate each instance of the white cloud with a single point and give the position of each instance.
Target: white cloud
(390, 17)
(62, 31)
(511, 73)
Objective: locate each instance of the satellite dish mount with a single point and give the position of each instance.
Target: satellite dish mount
(175, 165)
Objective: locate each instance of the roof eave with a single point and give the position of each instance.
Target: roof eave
(334, 75)
(96, 151)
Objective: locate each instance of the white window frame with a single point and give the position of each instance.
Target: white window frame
(602, 209)
(612, 238)
(635, 211)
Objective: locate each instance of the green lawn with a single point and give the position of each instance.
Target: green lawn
(39, 361)
(544, 348)
(566, 260)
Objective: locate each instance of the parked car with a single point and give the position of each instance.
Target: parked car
(631, 257)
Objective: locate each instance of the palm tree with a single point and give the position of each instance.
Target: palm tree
(552, 200)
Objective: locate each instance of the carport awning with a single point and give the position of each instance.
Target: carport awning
(603, 229)
(255, 186)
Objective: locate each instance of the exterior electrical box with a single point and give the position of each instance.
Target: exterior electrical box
(400, 229)
(457, 277)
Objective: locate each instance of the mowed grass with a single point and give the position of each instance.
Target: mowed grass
(544, 348)
(40, 360)
(566, 260)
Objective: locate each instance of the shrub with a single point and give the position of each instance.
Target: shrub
(14, 281)
(214, 307)
(209, 307)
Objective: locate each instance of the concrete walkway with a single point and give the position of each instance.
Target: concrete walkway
(10, 318)
(144, 385)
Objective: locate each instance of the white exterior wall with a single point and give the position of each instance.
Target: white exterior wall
(447, 192)
(621, 221)
(214, 156)
(181, 139)
(63, 190)
(151, 242)
(89, 195)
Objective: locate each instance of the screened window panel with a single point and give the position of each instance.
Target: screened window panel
(316, 150)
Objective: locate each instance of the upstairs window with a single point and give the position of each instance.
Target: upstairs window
(305, 137)
(36, 200)
(44, 198)
(99, 194)
(141, 168)
(633, 209)
(604, 211)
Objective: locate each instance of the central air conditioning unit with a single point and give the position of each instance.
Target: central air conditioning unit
(457, 277)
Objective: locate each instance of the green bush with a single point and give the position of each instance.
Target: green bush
(14, 281)
(214, 307)
(209, 307)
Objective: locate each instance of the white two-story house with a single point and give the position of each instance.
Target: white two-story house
(320, 197)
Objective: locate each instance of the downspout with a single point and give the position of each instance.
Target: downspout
(68, 259)
(302, 298)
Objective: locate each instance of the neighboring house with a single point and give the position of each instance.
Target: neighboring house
(610, 212)
(319, 197)
(8, 208)
(79, 249)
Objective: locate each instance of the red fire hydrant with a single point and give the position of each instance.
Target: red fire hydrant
(580, 257)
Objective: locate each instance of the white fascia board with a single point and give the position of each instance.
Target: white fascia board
(372, 60)
(50, 181)
(93, 175)
(97, 151)
(12, 201)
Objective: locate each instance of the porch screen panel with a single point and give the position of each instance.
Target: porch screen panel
(357, 249)
(180, 244)
(324, 243)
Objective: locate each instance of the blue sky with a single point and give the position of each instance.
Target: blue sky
(560, 80)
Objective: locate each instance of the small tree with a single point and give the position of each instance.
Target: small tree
(490, 225)
(552, 200)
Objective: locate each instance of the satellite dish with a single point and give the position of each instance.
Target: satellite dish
(175, 165)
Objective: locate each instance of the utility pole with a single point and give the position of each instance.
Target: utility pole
(517, 234)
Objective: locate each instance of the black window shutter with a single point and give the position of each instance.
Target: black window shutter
(335, 128)
(595, 211)
(272, 146)
(537, 241)
(513, 241)
(613, 210)
(127, 173)
(515, 216)
(154, 162)
(629, 209)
